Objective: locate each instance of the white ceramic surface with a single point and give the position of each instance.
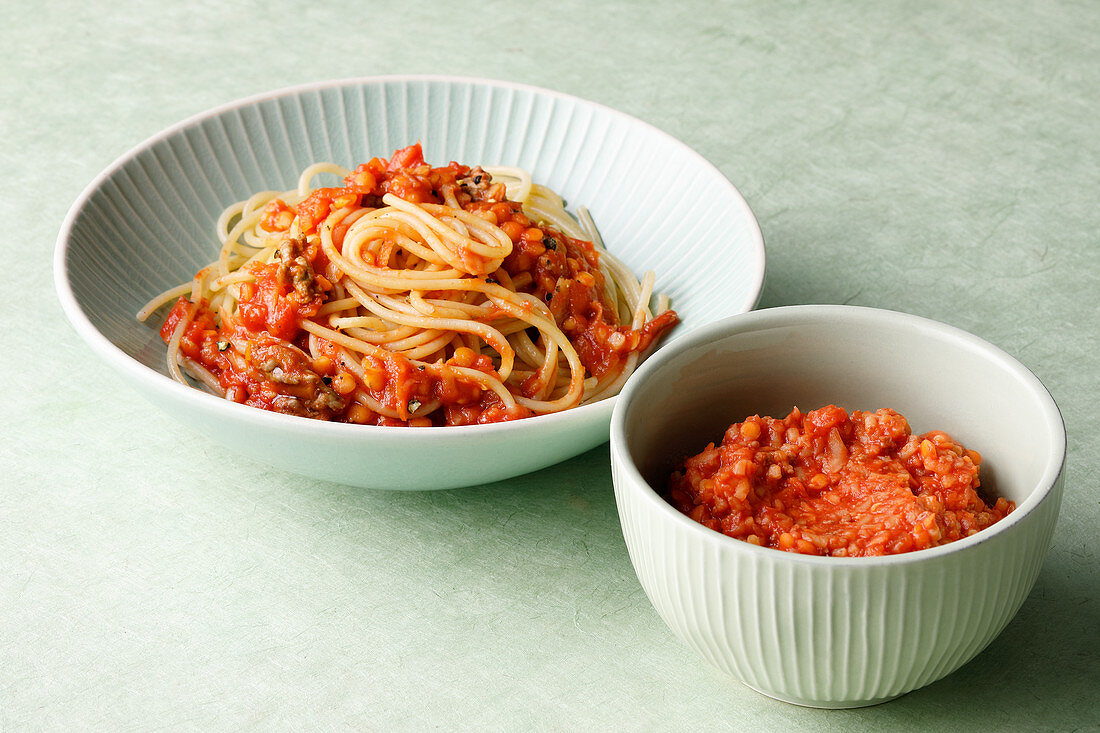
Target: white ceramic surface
(836, 632)
(146, 223)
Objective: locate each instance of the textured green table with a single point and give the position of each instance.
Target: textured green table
(938, 158)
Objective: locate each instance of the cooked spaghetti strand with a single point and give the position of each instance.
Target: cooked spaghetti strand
(410, 295)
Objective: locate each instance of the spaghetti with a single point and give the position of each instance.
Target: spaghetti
(410, 295)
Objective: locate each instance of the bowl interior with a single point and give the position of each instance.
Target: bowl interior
(146, 223)
(767, 362)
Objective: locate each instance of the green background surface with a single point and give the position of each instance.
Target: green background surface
(938, 158)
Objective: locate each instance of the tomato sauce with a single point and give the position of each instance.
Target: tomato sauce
(829, 483)
(268, 366)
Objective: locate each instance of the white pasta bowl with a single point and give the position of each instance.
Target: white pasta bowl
(821, 631)
(147, 223)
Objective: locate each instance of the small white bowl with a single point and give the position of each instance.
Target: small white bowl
(836, 632)
(147, 223)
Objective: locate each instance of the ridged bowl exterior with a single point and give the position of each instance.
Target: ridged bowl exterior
(835, 632)
(146, 224)
(842, 634)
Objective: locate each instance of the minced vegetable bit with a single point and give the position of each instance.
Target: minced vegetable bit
(829, 483)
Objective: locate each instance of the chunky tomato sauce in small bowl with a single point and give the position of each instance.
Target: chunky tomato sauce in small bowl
(836, 505)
